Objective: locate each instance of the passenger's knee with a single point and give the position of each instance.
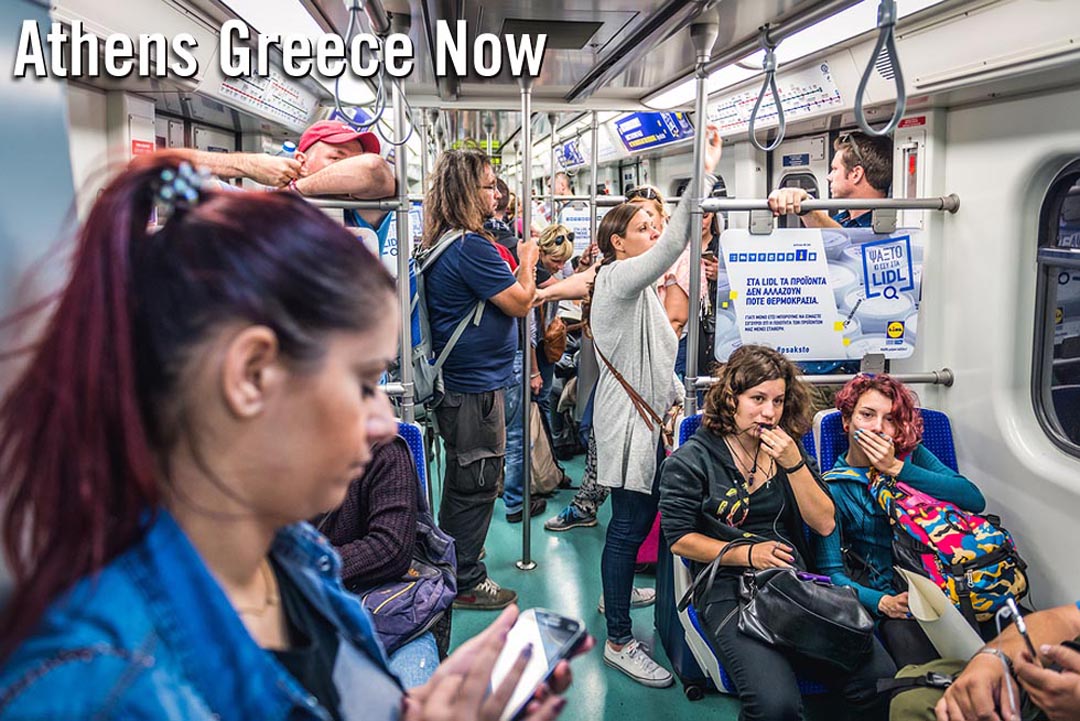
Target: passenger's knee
(773, 704)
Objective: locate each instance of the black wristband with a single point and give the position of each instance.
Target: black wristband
(750, 555)
(794, 468)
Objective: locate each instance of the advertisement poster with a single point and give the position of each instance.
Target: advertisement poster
(820, 294)
(643, 131)
(383, 240)
(575, 216)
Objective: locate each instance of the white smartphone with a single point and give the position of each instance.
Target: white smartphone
(553, 638)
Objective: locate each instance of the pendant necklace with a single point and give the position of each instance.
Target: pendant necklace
(749, 472)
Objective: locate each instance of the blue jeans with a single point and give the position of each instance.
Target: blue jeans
(414, 662)
(547, 375)
(513, 486)
(632, 516)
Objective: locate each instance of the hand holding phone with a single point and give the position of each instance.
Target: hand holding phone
(552, 638)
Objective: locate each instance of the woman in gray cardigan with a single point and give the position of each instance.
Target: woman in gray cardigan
(631, 330)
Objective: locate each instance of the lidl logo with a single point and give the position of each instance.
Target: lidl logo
(895, 329)
(1059, 316)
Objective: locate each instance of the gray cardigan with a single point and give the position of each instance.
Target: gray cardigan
(630, 326)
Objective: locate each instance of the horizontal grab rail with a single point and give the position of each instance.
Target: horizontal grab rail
(345, 204)
(394, 390)
(950, 203)
(943, 377)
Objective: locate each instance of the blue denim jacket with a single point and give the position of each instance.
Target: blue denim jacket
(154, 636)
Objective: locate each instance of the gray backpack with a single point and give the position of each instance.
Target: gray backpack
(427, 368)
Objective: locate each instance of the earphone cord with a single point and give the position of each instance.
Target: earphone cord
(999, 617)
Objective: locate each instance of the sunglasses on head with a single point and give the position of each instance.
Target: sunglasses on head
(564, 238)
(849, 140)
(644, 192)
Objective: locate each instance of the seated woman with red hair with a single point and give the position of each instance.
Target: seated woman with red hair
(884, 429)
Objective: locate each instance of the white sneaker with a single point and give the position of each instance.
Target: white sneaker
(634, 661)
(639, 598)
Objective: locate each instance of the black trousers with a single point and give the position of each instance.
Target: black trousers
(765, 677)
(473, 429)
(906, 642)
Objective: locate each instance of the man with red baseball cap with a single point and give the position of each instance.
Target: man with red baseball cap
(335, 132)
(336, 159)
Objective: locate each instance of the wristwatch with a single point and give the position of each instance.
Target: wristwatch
(1000, 654)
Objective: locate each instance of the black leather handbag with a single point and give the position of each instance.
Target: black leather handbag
(780, 608)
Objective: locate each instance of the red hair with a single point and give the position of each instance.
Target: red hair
(85, 429)
(905, 413)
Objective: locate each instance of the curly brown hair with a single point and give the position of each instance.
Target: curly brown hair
(748, 366)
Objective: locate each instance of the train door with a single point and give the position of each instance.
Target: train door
(802, 163)
(629, 176)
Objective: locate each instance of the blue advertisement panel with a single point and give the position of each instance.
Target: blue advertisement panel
(642, 131)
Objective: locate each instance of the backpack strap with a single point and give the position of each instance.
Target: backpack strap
(426, 257)
(930, 679)
(474, 318)
(426, 260)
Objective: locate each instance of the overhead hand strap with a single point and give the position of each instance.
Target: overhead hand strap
(886, 42)
(769, 84)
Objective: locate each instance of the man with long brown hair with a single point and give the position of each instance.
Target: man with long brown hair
(471, 416)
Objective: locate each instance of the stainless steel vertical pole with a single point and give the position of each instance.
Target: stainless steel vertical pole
(404, 252)
(552, 119)
(526, 563)
(703, 36)
(424, 149)
(593, 169)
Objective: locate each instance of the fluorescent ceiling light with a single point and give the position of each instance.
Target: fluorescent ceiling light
(835, 29)
(283, 18)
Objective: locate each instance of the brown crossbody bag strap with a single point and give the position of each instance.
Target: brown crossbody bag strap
(651, 417)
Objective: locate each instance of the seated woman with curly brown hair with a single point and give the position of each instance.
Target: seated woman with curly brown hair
(743, 475)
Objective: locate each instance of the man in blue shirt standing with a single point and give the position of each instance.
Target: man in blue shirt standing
(861, 168)
(471, 415)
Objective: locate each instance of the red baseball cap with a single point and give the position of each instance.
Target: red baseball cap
(336, 132)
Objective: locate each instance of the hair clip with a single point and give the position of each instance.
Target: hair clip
(180, 188)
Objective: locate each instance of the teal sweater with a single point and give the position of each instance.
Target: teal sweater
(865, 528)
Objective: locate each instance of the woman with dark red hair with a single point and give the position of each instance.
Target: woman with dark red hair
(201, 389)
(884, 429)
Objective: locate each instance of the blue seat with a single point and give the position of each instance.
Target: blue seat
(414, 436)
(694, 632)
(832, 441)
(689, 427)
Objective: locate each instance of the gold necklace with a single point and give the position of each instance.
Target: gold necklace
(271, 598)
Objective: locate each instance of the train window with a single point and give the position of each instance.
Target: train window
(1056, 376)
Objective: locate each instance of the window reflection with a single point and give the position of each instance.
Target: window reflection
(1065, 308)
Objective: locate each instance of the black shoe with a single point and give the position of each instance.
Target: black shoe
(538, 506)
